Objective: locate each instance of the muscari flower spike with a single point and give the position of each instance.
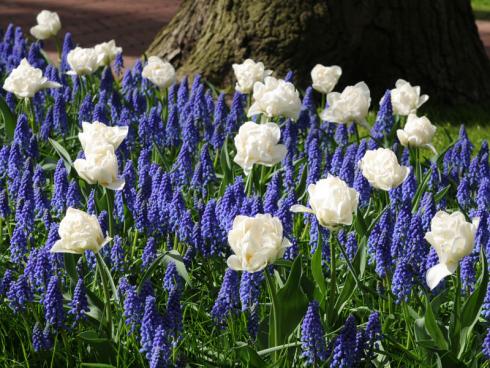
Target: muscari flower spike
(79, 303)
(313, 342)
(228, 298)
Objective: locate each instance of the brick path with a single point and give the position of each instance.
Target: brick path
(484, 30)
(132, 23)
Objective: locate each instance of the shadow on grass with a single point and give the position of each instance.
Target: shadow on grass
(481, 14)
(467, 114)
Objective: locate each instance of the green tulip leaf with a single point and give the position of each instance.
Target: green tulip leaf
(92, 336)
(316, 270)
(292, 303)
(63, 154)
(433, 329)
(472, 307)
(8, 119)
(249, 356)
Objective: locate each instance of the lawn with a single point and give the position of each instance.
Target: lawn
(481, 8)
(476, 121)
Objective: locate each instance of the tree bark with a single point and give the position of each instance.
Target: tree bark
(434, 44)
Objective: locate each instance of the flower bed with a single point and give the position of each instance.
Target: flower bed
(146, 222)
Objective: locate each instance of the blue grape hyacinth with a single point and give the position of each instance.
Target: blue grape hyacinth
(312, 336)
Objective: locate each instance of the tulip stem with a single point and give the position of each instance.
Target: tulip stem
(349, 265)
(58, 48)
(333, 265)
(354, 275)
(29, 109)
(105, 287)
(164, 95)
(272, 292)
(83, 88)
(418, 169)
(249, 182)
(356, 133)
(110, 202)
(456, 304)
(262, 180)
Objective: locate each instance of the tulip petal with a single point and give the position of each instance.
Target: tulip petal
(117, 184)
(81, 167)
(402, 137)
(254, 110)
(40, 32)
(423, 99)
(234, 263)
(326, 115)
(432, 148)
(436, 273)
(51, 84)
(59, 247)
(300, 208)
(476, 222)
(106, 241)
(286, 243)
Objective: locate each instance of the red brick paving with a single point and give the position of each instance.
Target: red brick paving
(484, 30)
(132, 23)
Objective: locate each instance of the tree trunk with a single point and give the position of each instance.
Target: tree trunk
(434, 44)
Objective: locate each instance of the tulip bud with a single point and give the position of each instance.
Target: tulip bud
(452, 238)
(258, 144)
(275, 97)
(381, 169)
(325, 78)
(79, 232)
(332, 201)
(159, 72)
(256, 242)
(25, 80)
(248, 73)
(48, 25)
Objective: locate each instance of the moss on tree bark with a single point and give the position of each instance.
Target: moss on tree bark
(431, 43)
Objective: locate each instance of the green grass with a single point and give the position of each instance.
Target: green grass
(449, 120)
(448, 132)
(481, 4)
(481, 8)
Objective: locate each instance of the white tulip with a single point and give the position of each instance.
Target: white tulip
(79, 232)
(452, 238)
(95, 134)
(325, 77)
(352, 105)
(25, 80)
(159, 72)
(275, 97)
(256, 241)
(100, 166)
(418, 132)
(332, 201)
(258, 144)
(381, 169)
(248, 73)
(48, 25)
(406, 98)
(82, 61)
(106, 52)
